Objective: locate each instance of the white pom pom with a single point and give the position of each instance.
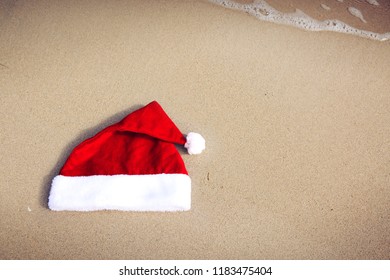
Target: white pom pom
(195, 143)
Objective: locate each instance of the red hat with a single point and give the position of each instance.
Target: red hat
(132, 165)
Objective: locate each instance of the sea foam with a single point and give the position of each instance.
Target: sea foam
(263, 11)
(357, 13)
(373, 2)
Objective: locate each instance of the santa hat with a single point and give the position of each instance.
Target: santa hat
(132, 165)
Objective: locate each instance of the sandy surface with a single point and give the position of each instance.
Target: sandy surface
(297, 163)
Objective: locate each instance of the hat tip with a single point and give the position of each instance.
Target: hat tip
(195, 143)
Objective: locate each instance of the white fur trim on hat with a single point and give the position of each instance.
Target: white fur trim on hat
(157, 192)
(195, 143)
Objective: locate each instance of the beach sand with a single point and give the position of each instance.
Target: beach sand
(297, 164)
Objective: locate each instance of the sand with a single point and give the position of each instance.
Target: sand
(297, 164)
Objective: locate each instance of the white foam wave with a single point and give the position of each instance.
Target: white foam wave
(373, 2)
(325, 7)
(263, 11)
(357, 13)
